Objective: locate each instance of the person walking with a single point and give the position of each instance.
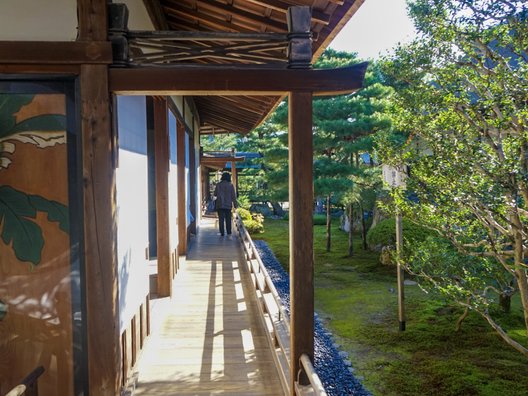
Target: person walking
(225, 200)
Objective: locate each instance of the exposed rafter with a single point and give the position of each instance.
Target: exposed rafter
(156, 14)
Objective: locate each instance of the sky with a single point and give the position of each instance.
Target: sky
(375, 28)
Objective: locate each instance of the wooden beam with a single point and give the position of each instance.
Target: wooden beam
(156, 14)
(182, 192)
(220, 80)
(161, 166)
(300, 144)
(55, 52)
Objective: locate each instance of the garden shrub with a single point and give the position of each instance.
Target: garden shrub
(384, 234)
(319, 219)
(253, 222)
(253, 226)
(244, 214)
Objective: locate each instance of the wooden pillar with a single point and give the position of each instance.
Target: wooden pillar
(235, 176)
(193, 184)
(182, 193)
(99, 196)
(161, 166)
(300, 144)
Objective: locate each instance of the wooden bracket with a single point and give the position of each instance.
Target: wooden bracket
(299, 37)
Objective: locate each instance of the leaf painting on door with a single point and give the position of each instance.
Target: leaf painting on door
(18, 209)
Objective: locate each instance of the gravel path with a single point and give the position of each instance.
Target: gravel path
(332, 366)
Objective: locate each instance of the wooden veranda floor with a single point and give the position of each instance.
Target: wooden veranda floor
(210, 340)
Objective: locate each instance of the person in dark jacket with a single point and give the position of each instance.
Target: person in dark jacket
(225, 201)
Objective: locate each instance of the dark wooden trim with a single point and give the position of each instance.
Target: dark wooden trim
(161, 160)
(203, 80)
(156, 14)
(100, 227)
(300, 144)
(182, 193)
(55, 52)
(27, 69)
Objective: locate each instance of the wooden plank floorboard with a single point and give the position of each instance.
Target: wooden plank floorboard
(211, 340)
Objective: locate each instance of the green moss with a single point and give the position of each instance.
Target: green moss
(356, 298)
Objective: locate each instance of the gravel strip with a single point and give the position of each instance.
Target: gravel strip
(332, 366)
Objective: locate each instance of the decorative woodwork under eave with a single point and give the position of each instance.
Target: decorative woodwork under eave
(220, 80)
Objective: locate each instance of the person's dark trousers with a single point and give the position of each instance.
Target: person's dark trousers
(224, 218)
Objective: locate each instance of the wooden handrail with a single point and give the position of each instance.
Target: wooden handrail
(315, 387)
(29, 385)
(311, 374)
(262, 268)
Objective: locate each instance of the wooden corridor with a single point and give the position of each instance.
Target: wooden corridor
(210, 339)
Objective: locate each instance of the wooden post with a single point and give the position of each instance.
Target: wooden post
(182, 193)
(234, 176)
(300, 144)
(99, 196)
(401, 277)
(193, 184)
(161, 166)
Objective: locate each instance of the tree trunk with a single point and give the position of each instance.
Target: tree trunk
(463, 316)
(363, 226)
(504, 335)
(350, 230)
(520, 271)
(328, 225)
(505, 302)
(522, 282)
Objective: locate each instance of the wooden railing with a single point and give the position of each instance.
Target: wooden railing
(276, 319)
(29, 385)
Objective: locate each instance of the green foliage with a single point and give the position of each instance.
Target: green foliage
(220, 142)
(319, 219)
(243, 201)
(253, 226)
(356, 298)
(253, 222)
(461, 97)
(384, 234)
(245, 214)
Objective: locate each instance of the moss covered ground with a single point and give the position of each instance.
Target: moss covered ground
(356, 299)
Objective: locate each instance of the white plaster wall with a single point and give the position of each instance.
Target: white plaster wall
(38, 20)
(132, 207)
(178, 101)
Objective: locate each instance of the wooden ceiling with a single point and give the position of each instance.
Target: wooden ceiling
(241, 114)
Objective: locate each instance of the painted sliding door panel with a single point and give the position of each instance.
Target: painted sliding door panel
(35, 256)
